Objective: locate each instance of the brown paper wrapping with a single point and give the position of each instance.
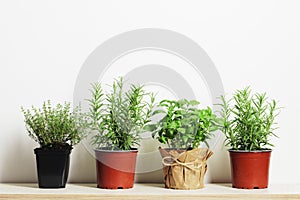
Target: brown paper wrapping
(185, 169)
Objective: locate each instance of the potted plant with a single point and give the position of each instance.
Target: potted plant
(184, 127)
(57, 129)
(117, 121)
(248, 125)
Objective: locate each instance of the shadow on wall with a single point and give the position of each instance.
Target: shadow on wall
(148, 169)
(18, 161)
(218, 164)
(82, 166)
(149, 165)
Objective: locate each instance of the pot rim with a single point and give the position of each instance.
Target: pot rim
(172, 148)
(40, 150)
(254, 151)
(102, 149)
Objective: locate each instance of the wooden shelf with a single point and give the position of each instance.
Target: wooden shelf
(146, 191)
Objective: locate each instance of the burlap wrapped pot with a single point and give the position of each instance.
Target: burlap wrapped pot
(185, 169)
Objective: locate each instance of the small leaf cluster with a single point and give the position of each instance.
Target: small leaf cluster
(119, 116)
(183, 124)
(54, 127)
(248, 123)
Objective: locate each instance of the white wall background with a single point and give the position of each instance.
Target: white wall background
(44, 43)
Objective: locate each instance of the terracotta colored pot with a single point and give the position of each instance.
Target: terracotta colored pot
(115, 169)
(250, 170)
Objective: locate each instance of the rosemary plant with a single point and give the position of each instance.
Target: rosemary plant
(248, 123)
(119, 116)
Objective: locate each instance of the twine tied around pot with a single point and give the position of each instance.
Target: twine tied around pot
(185, 169)
(197, 164)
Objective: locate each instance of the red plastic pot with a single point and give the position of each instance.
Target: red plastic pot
(250, 170)
(115, 169)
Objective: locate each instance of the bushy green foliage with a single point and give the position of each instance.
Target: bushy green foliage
(183, 125)
(248, 123)
(54, 127)
(119, 116)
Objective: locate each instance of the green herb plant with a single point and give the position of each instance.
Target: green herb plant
(183, 124)
(119, 117)
(54, 127)
(248, 123)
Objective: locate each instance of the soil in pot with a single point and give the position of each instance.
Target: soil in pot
(184, 169)
(250, 170)
(52, 167)
(115, 169)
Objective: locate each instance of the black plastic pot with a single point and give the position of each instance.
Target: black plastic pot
(52, 167)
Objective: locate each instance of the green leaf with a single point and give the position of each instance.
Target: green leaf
(181, 130)
(159, 112)
(194, 103)
(150, 127)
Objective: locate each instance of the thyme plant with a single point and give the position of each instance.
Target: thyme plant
(183, 124)
(119, 116)
(54, 127)
(248, 122)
